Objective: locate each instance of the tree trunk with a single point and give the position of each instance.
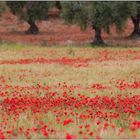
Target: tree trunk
(33, 29)
(136, 31)
(58, 5)
(98, 38)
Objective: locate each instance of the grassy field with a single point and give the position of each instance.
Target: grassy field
(69, 92)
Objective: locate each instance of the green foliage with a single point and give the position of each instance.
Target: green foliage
(37, 10)
(2, 6)
(75, 12)
(98, 14)
(121, 12)
(136, 6)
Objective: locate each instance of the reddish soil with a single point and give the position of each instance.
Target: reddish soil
(54, 32)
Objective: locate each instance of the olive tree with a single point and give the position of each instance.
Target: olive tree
(97, 14)
(30, 11)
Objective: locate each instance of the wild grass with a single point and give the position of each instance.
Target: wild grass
(105, 72)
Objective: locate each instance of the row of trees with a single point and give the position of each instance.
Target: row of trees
(99, 15)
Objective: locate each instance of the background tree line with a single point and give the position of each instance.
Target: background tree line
(96, 14)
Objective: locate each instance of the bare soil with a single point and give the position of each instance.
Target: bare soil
(56, 32)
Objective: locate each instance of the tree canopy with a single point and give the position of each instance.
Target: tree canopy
(2, 7)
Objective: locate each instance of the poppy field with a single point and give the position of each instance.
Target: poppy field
(69, 92)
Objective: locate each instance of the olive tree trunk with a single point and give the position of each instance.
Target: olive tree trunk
(33, 29)
(98, 38)
(136, 30)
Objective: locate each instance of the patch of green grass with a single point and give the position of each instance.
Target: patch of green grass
(12, 46)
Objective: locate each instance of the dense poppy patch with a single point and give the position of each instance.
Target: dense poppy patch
(66, 108)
